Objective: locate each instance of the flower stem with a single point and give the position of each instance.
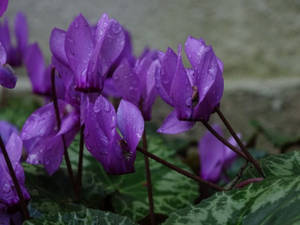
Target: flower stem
(223, 140)
(181, 171)
(149, 182)
(66, 154)
(239, 175)
(80, 160)
(240, 143)
(15, 180)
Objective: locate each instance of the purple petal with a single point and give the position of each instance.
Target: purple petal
(79, 47)
(7, 77)
(3, 6)
(5, 35)
(4, 217)
(14, 148)
(211, 152)
(112, 45)
(181, 91)
(127, 82)
(166, 75)
(6, 129)
(69, 122)
(57, 45)
(3, 55)
(36, 69)
(172, 125)
(21, 31)
(130, 123)
(229, 155)
(100, 128)
(110, 89)
(64, 72)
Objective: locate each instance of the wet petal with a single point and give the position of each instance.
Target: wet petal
(7, 77)
(21, 31)
(100, 127)
(172, 125)
(57, 44)
(211, 152)
(79, 47)
(181, 91)
(14, 148)
(166, 75)
(127, 82)
(130, 123)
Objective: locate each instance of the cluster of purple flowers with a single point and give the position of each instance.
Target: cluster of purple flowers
(90, 64)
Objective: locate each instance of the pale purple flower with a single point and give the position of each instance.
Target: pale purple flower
(15, 54)
(3, 6)
(116, 152)
(215, 157)
(7, 77)
(40, 74)
(13, 144)
(193, 92)
(42, 139)
(136, 83)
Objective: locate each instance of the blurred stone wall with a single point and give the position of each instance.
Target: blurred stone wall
(253, 38)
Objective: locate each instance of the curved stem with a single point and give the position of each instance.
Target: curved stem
(240, 143)
(15, 180)
(66, 154)
(223, 140)
(181, 171)
(149, 181)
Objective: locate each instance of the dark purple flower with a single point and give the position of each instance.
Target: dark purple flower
(115, 151)
(14, 145)
(136, 83)
(193, 92)
(15, 54)
(6, 218)
(7, 77)
(90, 52)
(42, 139)
(215, 157)
(3, 6)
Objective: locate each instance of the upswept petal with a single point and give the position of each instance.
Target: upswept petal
(164, 78)
(181, 91)
(110, 89)
(79, 48)
(230, 155)
(127, 82)
(131, 123)
(211, 152)
(57, 45)
(172, 125)
(21, 31)
(100, 128)
(7, 77)
(5, 35)
(36, 69)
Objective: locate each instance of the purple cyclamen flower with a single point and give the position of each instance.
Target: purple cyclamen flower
(15, 54)
(7, 77)
(89, 52)
(193, 92)
(42, 139)
(215, 157)
(3, 6)
(40, 74)
(136, 83)
(115, 152)
(14, 146)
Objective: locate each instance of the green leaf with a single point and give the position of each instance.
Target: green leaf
(273, 201)
(82, 217)
(128, 193)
